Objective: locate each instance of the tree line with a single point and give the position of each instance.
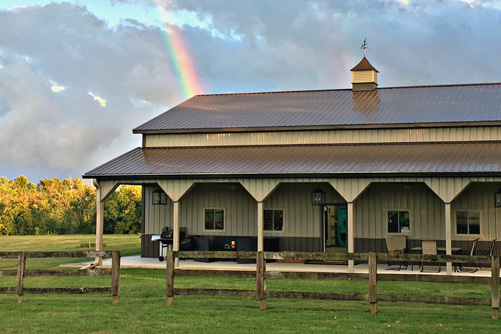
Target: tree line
(67, 206)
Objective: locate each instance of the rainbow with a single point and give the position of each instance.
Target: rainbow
(180, 60)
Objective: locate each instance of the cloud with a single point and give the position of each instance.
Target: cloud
(57, 89)
(236, 46)
(59, 135)
(99, 99)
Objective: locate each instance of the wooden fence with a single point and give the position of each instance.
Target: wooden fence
(372, 277)
(21, 273)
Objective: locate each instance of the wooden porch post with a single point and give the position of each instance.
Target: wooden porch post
(99, 224)
(260, 227)
(175, 228)
(448, 235)
(351, 236)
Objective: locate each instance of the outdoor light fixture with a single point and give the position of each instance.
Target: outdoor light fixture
(159, 197)
(317, 197)
(497, 199)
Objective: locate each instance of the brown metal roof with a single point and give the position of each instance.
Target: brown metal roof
(364, 65)
(340, 160)
(384, 107)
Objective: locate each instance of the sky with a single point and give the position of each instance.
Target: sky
(77, 76)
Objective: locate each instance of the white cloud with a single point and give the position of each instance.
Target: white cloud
(99, 99)
(57, 89)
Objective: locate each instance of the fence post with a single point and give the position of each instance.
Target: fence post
(373, 283)
(115, 276)
(261, 280)
(170, 278)
(21, 266)
(495, 286)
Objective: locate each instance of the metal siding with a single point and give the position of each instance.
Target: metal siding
(372, 206)
(479, 196)
(240, 209)
(156, 216)
(325, 137)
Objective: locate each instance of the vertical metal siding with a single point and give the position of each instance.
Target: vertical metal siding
(156, 216)
(326, 137)
(479, 196)
(372, 206)
(240, 209)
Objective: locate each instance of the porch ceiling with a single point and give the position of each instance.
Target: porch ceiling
(370, 160)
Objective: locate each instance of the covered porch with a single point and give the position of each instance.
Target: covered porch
(431, 202)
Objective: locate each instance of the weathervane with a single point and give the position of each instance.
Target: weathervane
(364, 46)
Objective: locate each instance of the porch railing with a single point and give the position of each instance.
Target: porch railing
(261, 274)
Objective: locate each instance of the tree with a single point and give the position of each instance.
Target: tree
(122, 211)
(57, 206)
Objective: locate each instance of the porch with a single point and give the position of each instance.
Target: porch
(431, 204)
(138, 262)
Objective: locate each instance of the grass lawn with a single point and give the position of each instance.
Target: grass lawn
(142, 302)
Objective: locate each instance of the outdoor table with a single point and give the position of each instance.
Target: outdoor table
(439, 249)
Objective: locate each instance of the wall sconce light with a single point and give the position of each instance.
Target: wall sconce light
(317, 197)
(497, 199)
(159, 197)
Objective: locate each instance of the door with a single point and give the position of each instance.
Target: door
(335, 225)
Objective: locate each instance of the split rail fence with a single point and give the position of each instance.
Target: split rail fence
(261, 274)
(21, 273)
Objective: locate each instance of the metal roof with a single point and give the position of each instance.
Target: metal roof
(476, 104)
(364, 65)
(340, 160)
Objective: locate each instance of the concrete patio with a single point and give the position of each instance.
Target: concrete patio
(136, 261)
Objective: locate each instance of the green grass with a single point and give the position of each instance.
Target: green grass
(127, 244)
(142, 303)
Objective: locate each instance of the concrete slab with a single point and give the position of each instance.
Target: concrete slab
(136, 261)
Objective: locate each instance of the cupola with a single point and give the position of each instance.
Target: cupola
(364, 76)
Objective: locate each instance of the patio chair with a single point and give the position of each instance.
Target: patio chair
(472, 252)
(429, 247)
(396, 244)
(490, 251)
(487, 252)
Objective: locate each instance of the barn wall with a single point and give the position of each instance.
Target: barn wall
(326, 137)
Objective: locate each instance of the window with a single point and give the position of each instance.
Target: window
(399, 222)
(467, 222)
(273, 220)
(214, 219)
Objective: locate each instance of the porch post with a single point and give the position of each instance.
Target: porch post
(260, 227)
(175, 228)
(448, 235)
(99, 224)
(351, 236)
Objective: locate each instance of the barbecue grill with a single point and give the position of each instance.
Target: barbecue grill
(165, 240)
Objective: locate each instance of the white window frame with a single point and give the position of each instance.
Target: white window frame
(468, 235)
(410, 222)
(224, 219)
(283, 225)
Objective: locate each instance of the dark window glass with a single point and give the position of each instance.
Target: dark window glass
(268, 220)
(214, 219)
(273, 220)
(468, 222)
(399, 222)
(392, 221)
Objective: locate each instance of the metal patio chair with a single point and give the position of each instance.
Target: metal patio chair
(396, 244)
(429, 247)
(472, 252)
